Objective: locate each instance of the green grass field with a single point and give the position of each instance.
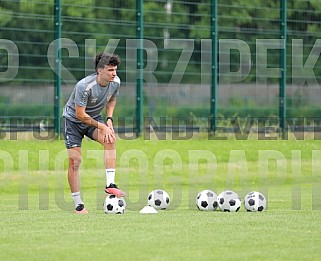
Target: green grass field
(37, 222)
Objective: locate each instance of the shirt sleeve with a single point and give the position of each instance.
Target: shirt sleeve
(81, 95)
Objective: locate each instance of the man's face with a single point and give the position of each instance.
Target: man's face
(108, 73)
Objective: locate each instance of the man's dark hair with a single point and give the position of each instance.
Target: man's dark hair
(103, 59)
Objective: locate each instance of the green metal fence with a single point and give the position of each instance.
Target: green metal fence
(205, 63)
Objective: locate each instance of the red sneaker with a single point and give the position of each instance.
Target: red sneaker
(114, 190)
(80, 209)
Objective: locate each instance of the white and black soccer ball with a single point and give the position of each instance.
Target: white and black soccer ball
(206, 200)
(114, 205)
(158, 199)
(255, 201)
(229, 201)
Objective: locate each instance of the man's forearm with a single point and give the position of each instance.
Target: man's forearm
(90, 121)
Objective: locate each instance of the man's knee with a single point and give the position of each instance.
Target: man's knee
(75, 158)
(110, 145)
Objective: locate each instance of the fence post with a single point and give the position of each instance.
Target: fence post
(57, 75)
(140, 66)
(282, 84)
(214, 32)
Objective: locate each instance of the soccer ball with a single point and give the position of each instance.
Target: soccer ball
(114, 205)
(158, 199)
(254, 201)
(206, 200)
(229, 201)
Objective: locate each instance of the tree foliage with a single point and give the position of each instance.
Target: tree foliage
(30, 25)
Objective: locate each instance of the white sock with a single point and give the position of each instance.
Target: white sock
(77, 198)
(110, 176)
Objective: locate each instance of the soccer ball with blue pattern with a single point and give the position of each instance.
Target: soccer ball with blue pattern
(255, 201)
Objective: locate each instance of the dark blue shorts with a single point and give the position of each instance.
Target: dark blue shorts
(74, 132)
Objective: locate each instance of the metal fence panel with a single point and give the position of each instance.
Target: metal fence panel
(177, 58)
